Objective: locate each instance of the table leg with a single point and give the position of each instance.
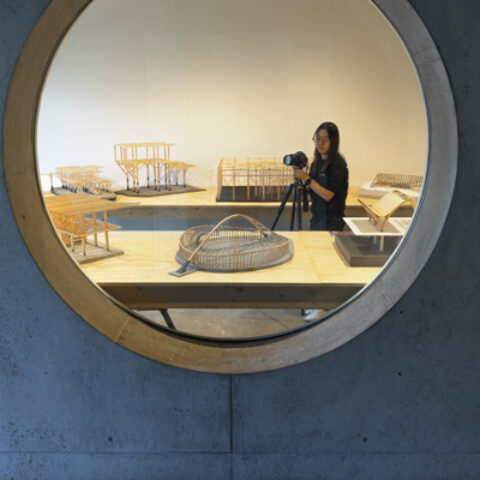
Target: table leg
(167, 318)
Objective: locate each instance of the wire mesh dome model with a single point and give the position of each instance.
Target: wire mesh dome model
(235, 244)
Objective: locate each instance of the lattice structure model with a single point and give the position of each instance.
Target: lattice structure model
(236, 243)
(154, 157)
(383, 209)
(252, 179)
(411, 182)
(83, 179)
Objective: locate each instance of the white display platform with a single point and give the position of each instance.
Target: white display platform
(363, 227)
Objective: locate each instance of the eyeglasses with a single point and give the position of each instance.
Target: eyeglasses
(321, 139)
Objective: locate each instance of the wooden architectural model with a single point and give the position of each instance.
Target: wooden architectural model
(78, 216)
(386, 182)
(411, 182)
(252, 179)
(154, 161)
(86, 179)
(383, 209)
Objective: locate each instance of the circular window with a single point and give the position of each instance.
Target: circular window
(103, 303)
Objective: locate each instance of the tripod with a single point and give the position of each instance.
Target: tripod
(296, 186)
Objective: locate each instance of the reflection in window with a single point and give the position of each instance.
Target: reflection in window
(162, 121)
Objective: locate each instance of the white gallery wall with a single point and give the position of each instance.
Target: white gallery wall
(232, 78)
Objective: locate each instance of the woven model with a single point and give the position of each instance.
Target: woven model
(237, 243)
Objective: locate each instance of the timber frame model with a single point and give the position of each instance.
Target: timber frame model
(252, 179)
(76, 217)
(132, 158)
(210, 355)
(383, 209)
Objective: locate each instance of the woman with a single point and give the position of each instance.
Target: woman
(327, 180)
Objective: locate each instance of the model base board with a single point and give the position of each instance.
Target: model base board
(94, 253)
(365, 251)
(103, 195)
(243, 193)
(152, 192)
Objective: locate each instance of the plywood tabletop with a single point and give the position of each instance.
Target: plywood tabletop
(207, 198)
(150, 256)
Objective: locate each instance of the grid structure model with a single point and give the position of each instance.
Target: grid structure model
(252, 179)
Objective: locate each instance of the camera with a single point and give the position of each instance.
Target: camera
(296, 160)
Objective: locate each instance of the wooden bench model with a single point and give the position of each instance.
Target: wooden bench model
(132, 158)
(383, 209)
(75, 217)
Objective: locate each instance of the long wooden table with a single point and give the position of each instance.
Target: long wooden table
(203, 205)
(316, 276)
(207, 197)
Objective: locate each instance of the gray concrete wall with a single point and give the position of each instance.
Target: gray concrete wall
(402, 401)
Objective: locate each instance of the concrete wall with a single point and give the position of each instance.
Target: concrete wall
(402, 401)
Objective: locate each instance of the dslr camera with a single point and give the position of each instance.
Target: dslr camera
(296, 160)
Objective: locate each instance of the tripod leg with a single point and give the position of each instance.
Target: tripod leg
(294, 203)
(305, 199)
(299, 208)
(282, 205)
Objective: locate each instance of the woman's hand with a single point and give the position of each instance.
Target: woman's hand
(326, 194)
(301, 175)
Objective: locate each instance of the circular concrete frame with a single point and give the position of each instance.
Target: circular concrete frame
(124, 328)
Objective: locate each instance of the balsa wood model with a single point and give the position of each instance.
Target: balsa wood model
(383, 209)
(83, 179)
(151, 157)
(252, 179)
(75, 217)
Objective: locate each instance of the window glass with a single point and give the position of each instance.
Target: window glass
(160, 117)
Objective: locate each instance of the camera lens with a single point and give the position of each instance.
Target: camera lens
(296, 160)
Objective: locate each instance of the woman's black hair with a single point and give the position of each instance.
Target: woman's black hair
(334, 137)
